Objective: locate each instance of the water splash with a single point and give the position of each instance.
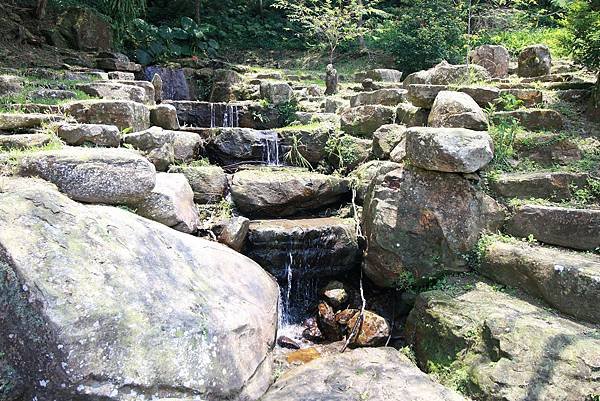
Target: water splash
(224, 115)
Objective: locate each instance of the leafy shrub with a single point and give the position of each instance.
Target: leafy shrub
(152, 43)
(424, 33)
(515, 40)
(504, 132)
(583, 21)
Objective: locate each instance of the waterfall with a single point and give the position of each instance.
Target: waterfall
(270, 145)
(213, 123)
(285, 313)
(224, 115)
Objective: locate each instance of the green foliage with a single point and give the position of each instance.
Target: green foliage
(294, 157)
(287, 112)
(152, 43)
(516, 39)
(423, 33)
(328, 23)
(509, 102)
(503, 132)
(405, 281)
(342, 150)
(583, 21)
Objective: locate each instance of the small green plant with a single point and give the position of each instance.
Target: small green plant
(405, 281)
(224, 209)
(287, 112)
(293, 156)
(504, 132)
(343, 151)
(509, 102)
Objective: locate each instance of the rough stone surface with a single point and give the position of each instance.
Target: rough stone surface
(386, 138)
(285, 192)
(180, 317)
(15, 121)
(529, 97)
(321, 247)
(93, 175)
(276, 92)
(548, 148)
(24, 141)
(235, 145)
(113, 90)
(234, 232)
(209, 183)
(366, 173)
(373, 331)
(83, 29)
(364, 120)
(456, 110)
(555, 186)
(186, 145)
(171, 203)
(384, 75)
(446, 74)
(568, 281)
(423, 95)
(504, 347)
(534, 119)
(96, 134)
(311, 141)
(164, 116)
(483, 95)
(534, 61)
(421, 223)
(381, 374)
(493, 58)
(386, 97)
(451, 150)
(571, 228)
(10, 84)
(411, 116)
(122, 113)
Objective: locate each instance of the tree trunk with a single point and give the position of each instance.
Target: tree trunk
(40, 10)
(594, 106)
(197, 11)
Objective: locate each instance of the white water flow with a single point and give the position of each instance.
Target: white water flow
(270, 144)
(213, 122)
(231, 116)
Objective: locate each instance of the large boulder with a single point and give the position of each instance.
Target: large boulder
(384, 75)
(364, 120)
(556, 186)
(446, 74)
(113, 90)
(235, 145)
(171, 203)
(411, 116)
(24, 141)
(125, 114)
(93, 175)
(84, 29)
(186, 144)
(498, 346)
(276, 92)
(494, 58)
(386, 97)
(534, 61)
(423, 95)
(419, 224)
(17, 121)
(165, 116)
(366, 173)
(10, 85)
(375, 374)
(116, 307)
(571, 228)
(262, 192)
(566, 280)
(209, 183)
(318, 247)
(309, 140)
(452, 150)
(386, 138)
(95, 134)
(456, 110)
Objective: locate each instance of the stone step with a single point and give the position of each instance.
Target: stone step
(567, 227)
(318, 247)
(137, 91)
(285, 192)
(386, 97)
(555, 186)
(16, 121)
(534, 119)
(547, 148)
(569, 281)
(125, 114)
(505, 346)
(23, 141)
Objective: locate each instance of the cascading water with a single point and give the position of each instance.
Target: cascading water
(270, 145)
(227, 115)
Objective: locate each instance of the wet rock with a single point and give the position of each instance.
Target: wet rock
(504, 345)
(368, 172)
(364, 120)
(122, 113)
(566, 280)
(233, 232)
(203, 317)
(534, 119)
(456, 110)
(386, 97)
(285, 192)
(164, 116)
(421, 223)
(386, 138)
(312, 331)
(96, 134)
(556, 186)
(384, 75)
(186, 145)
(209, 183)
(171, 203)
(446, 74)
(411, 116)
(16, 121)
(379, 374)
(452, 150)
(24, 141)
(493, 58)
(423, 95)
(320, 247)
(335, 294)
(276, 92)
(571, 228)
(236, 145)
(372, 331)
(534, 61)
(327, 324)
(93, 175)
(287, 342)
